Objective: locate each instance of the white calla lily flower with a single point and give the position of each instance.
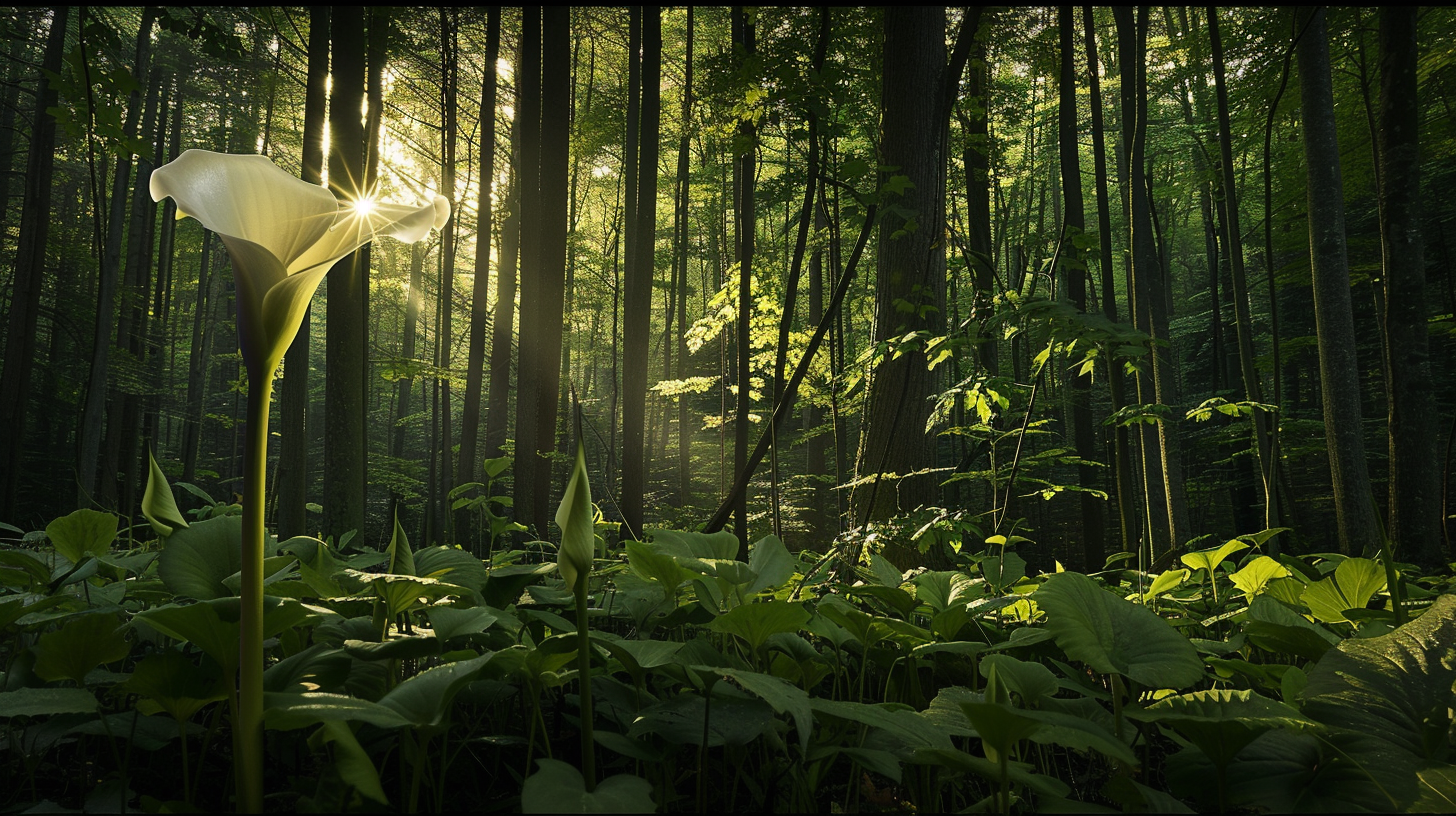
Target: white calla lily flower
(283, 235)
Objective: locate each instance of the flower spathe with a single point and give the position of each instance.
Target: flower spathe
(283, 235)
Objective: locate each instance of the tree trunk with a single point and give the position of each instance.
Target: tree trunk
(910, 269)
(344, 380)
(475, 361)
(1334, 319)
(444, 333)
(20, 348)
(503, 319)
(1415, 489)
(1074, 272)
(532, 361)
(745, 222)
(1124, 490)
(680, 254)
(637, 299)
(293, 476)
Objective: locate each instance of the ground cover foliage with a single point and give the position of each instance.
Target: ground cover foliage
(429, 679)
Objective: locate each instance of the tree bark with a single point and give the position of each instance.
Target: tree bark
(637, 299)
(532, 362)
(745, 222)
(344, 381)
(1334, 319)
(895, 448)
(1415, 487)
(30, 263)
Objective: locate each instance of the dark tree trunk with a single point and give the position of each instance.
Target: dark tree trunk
(444, 333)
(910, 269)
(680, 255)
(479, 317)
(745, 222)
(503, 319)
(1074, 272)
(637, 299)
(1334, 319)
(532, 362)
(1415, 488)
(30, 264)
(293, 476)
(344, 380)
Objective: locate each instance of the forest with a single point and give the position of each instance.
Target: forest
(684, 409)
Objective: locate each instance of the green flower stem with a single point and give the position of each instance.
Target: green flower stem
(583, 665)
(248, 729)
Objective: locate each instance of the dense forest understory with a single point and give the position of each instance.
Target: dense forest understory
(727, 408)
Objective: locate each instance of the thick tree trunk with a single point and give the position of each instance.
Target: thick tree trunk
(1415, 488)
(745, 223)
(444, 333)
(503, 318)
(293, 477)
(910, 268)
(1334, 320)
(344, 380)
(30, 264)
(680, 255)
(637, 299)
(1074, 272)
(479, 315)
(533, 362)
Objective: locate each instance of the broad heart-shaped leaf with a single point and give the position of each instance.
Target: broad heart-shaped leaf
(1222, 721)
(451, 564)
(82, 533)
(771, 563)
(559, 788)
(1032, 681)
(158, 505)
(1396, 688)
(1256, 575)
(652, 562)
(1004, 570)
(754, 622)
(944, 589)
(1210, 559)
(1115, 636)
(785, 697)
(721, 545)
(1272, 626)
(287, 711)
(195, 561)
(175, 684)
(425, 699)
(449, 622)
(45, 702)
(1355, 582)
(82, 644)
(679, 719)
(212, 626)
(912, 728)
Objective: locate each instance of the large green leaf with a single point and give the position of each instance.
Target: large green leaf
(944, 589)
(1355, 582)
(680, 720)
(1115, 636)
(82, 533)
(754, 622)
(82, 644)
(196, 560)
(1209, 559)
(1032, 681)
(45, 702)
(559, 788)
(401, 558)
(451, 564)
(771, 563)
(1272, 626)
(652, 562)
(1222, 721)
(425, 699)
(785, 697)
(1256, 575)
(287, 711)
(1396, 687)
(350, 759)
(721, 545)
(176, 685)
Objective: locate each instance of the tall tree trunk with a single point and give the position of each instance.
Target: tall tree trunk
(637, 299)
(345, 384)
(503, 319)
(555, 170)
(95, 485)
(680, 255)
(910, 268)
(1124, 490)
(532, 362)
(1334, 319)
(1233, 237)
(745, 222)
(30, 264)
(1074, 272)
(1415, 489)
(450, 69)
(475, 361)
(293, 475)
